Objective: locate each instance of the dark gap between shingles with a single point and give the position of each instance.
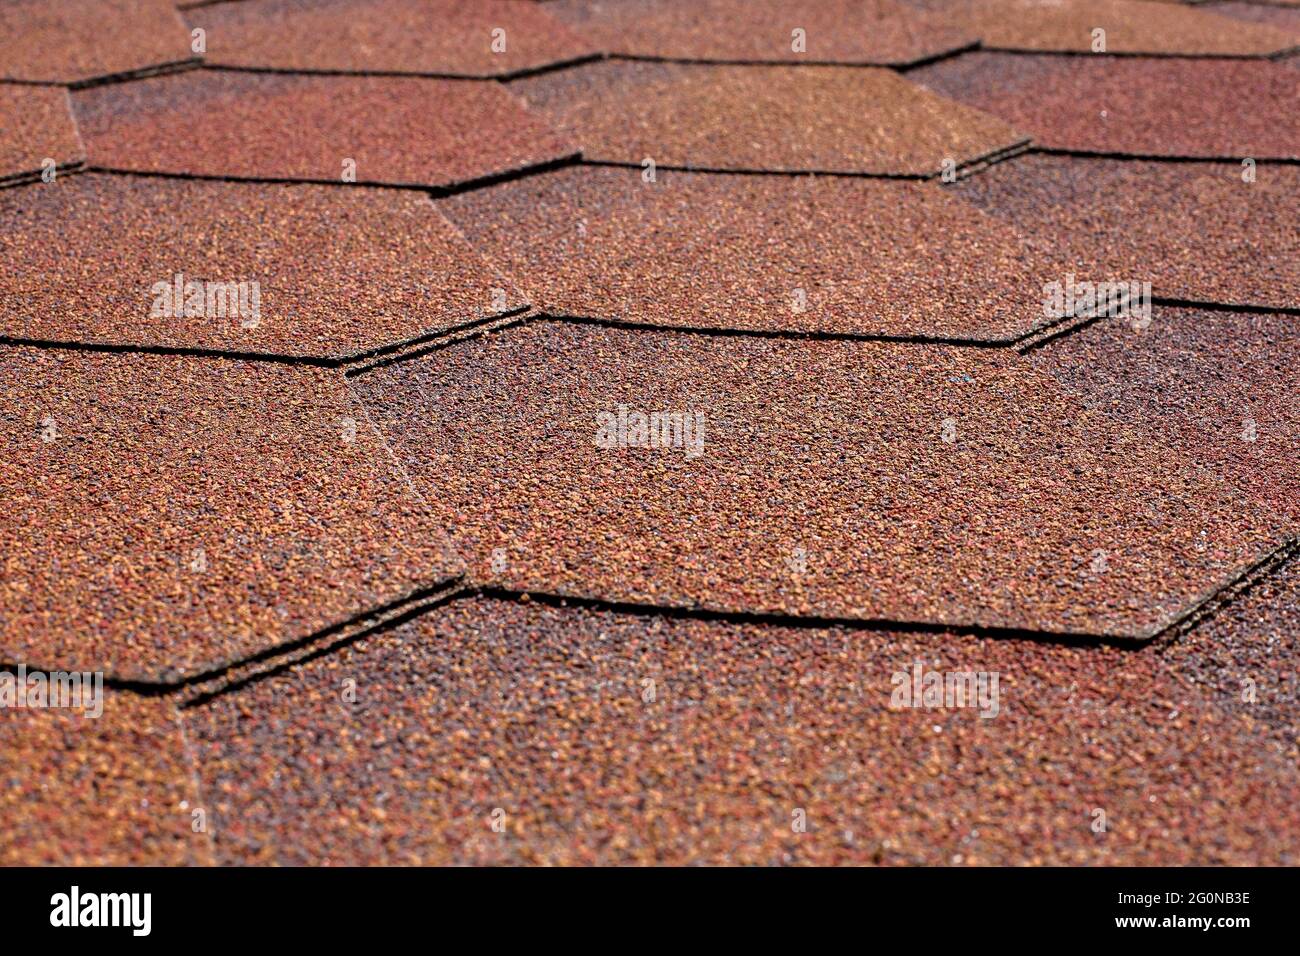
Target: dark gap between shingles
(521, 73)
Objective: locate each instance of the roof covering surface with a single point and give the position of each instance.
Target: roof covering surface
(635, 431)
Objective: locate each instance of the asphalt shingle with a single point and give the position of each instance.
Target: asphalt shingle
(864, 32)
(78, 40)
(37, 128)
(1286, 19)
(591, 737)
(338, 272)
(1129, 27)
(843, 255)
(430, 37)
(112, 790)
(1202, 232)
(384, 130)
(167, 515)
(839, 479)
(1220, 382)
(763, 118)
(1246, 657)
(557, 511)
(1131, 106)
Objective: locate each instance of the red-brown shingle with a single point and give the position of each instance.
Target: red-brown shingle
(76, 40)
(1286, 19)
(1129, 26)
(396, 130)
(1248, 657)
(1203, 232)
(112, 790)
(338, 271)
(904, 482)
(768, 118)
(167, 514)
(591, 737)
(432, 37)
(881, 32)
(844, 255)
(1220, 382)
(1131, 106)
(37, 127)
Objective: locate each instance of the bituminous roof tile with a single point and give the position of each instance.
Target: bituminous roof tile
(1248, 656)
(593, 737)
(37, 126)
(765, 118)
(170, 514)
(1131, 26)
(836, 479)
(881, 32)
(1131, 106)
(337, 271)
(1202, 232)
(1222, 383)
(824, 254)
(395, 130)
(76, 40)
(1286, 19)
(111, 790)
(445, 37)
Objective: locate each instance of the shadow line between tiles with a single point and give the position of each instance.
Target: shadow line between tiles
(365, 619)
(215, 682)
(519, 74)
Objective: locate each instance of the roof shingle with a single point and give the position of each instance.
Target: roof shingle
(338, 272)
(841, 255)
(168, 515)
(112, 790)
(1201, 232)
(879, 32)
(1220, 382)
(78, 40)
(37, 127)
(1131, 106)
(1130, 27)
(636, 572)
(768, 118)
(379, 130)
(837, 479)
(429, 37)
(617, 739)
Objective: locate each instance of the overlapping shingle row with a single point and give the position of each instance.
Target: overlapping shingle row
(889, 451)
(598, 737)
(1131, 106)
(343, 272)
(173, 514)
(843, 480)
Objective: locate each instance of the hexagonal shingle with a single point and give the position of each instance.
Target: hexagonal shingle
(871, 481)
(169, 515)
(77, 40)
(113, 789)
(387, 130)
(338, 272)
(616, 739)
(429, 37)
(1147, 221)
(696, 250)
(763, 118)
(38, 127)
(1220, 382)
(1130, 26)
(862, 32)
(1131, 106)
